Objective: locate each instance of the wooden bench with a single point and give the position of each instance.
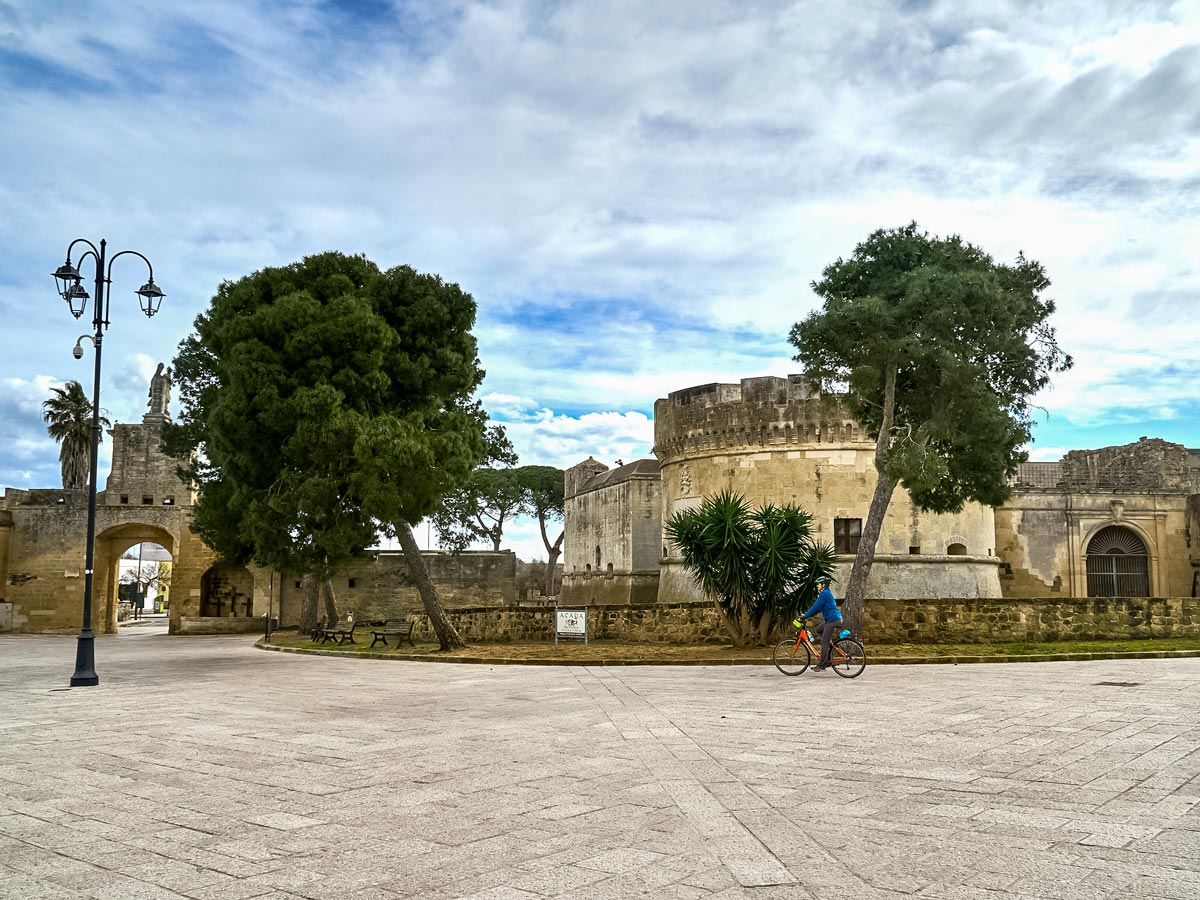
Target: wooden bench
(340, 633)
(401, 633)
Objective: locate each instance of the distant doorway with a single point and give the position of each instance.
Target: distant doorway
(1117, 564)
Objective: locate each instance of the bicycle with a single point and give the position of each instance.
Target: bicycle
(792, 656)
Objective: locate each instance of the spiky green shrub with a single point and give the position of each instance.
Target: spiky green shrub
(758, 565)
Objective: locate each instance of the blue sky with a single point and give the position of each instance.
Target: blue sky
(637, 195)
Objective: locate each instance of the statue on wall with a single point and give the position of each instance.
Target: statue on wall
(160, 390)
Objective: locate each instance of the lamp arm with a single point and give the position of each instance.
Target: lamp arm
(93, 254)
(114, 257)
(81, 241)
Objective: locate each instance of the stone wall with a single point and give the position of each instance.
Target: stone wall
(960, 621)
(643, 622)
(220, 625)
(973, 621)
(380, 587)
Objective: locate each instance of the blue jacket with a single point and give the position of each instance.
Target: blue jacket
(826, 606)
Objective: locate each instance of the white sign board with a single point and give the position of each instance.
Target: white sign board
(570, 623)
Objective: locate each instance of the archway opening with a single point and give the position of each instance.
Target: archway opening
(143, 581)
(120, 578)
(1117, 564)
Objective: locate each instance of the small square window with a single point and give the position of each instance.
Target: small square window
(147, 501)
(846, 534)
(124, 498)
(914, 551)
(297, 584)
(351, 582)
(168, 501)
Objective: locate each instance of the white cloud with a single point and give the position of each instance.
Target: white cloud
(562, 440)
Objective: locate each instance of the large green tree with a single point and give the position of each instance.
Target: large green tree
(937, 350)
(759, 566)
(68, 417)
(479, 508)
(322, 402)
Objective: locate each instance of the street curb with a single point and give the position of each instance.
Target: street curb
(874, 661)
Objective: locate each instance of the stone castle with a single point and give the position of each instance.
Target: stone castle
(1120, 521)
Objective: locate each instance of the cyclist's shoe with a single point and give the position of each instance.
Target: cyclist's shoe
(818, 668)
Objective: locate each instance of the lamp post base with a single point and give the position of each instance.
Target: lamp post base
(85, 661)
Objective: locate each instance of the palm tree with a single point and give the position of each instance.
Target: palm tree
(68, 415)
(759, 566)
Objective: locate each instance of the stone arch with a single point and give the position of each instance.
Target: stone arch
(110, 545)
(226, 590)
(956, 549)
(1118, 563)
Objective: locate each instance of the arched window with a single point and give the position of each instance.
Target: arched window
(597, 556)
(1117, 564)
(956, 550)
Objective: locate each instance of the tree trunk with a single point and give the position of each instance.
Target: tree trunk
(331, 613)
(764, 628)
(885, 486)
(730, 626)
(552, 552)
(447, 636)
(308, 605)
(552, 566)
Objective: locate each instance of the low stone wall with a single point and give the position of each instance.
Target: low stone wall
(976, 621)
(649, 623)
(221, 624)
(960, 621)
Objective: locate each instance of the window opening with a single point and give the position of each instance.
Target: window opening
(846, 535)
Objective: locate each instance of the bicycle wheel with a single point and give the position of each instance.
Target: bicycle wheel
(787, 662)
(853, 658)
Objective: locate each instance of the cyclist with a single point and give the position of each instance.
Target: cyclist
(832, 616)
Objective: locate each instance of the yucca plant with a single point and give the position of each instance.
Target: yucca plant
(759, 566)
(68, 416)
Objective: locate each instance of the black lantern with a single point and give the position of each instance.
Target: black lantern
(150, 296)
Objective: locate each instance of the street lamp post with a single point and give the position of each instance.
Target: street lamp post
(71, 289)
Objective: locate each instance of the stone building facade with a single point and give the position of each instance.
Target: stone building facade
(613, 540)
(1117, 521)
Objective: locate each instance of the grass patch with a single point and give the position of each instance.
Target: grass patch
(603, 650)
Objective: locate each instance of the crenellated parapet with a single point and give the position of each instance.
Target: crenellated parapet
(766, 412)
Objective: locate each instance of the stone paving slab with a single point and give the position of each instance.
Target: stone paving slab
(204, 769)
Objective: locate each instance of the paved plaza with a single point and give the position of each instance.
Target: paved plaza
(205, 768)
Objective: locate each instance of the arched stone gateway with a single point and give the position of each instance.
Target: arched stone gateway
(111, 544)
(1117, 564)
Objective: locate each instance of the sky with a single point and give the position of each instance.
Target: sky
(638, 196)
